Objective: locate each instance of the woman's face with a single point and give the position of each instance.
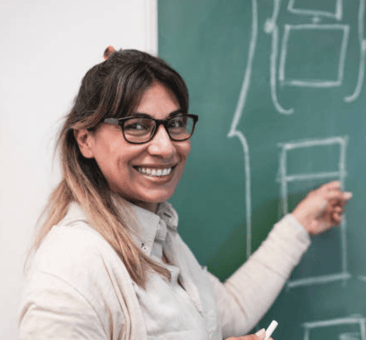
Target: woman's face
(128, 167)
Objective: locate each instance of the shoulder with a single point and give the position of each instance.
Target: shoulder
(77, 275)
(78, 255)
(72, 242)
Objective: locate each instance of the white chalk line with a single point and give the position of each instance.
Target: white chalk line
(283, 174)
(318, 280)
(306, 143)
(362, 42)
(315, 83)
(336, 15)
(272, 27)
(363, 331)
(362, 278)
(335, 322)
(319, 175)
(237, 116)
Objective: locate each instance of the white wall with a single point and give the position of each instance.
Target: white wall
(47, 46)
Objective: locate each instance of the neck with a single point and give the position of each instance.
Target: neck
(153, 207)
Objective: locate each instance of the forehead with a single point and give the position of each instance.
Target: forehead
(158, 101)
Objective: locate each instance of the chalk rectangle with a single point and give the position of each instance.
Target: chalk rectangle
(315, 160)
(313, 55)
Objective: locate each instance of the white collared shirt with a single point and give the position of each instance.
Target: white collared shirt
(171, 309)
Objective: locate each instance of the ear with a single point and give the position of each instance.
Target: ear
(108, 51)
(84, 139)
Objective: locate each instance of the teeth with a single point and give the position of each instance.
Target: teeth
(155, 172)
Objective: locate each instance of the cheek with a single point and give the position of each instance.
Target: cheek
(185, 149)
(116, 172)
(110, 162)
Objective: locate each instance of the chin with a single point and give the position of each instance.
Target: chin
(158, 197)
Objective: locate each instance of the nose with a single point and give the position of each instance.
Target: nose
(161, 145)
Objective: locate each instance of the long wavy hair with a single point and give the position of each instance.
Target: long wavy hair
(112, 88)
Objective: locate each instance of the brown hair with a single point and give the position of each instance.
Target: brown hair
(112, 88)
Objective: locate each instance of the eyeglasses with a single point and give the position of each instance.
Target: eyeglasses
(142, 129)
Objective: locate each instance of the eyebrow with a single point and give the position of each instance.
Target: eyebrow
(145, 115)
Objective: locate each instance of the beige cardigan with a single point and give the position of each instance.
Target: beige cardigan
(78, 287)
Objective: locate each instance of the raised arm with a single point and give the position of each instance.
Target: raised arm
(247, 295)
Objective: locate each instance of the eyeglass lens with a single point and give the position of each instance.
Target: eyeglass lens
(140, 129)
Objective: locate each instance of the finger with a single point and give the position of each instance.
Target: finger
(335, 206)
(338, 209)
(337, 217)
(331, 185)
(337, 203)
(342, 196)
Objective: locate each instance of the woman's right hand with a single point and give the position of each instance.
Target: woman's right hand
(322, 208)
(260, 335)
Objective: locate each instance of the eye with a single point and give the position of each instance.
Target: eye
(138, 126)
(178, 122)
(135, 126)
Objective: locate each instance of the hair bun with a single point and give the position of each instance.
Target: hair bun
(108, 51)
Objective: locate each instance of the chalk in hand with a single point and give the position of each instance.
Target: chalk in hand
(270, 329)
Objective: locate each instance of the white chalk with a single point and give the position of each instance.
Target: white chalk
(270, 329)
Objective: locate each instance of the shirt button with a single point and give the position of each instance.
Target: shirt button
(143, 247)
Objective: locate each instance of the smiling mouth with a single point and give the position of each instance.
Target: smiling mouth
(154, 172)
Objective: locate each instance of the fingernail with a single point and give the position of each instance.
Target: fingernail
(260, 332)
(348, 195)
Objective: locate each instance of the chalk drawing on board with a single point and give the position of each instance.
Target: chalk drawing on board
(271, 27)
(293, 33)
(362, 48)
(357, 322)
(362, 278)
(318, 10)
(285, 178)
(234, 132)
(298, 7)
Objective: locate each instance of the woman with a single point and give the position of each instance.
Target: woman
(109, 263)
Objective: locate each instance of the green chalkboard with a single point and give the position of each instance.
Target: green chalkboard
(280, 90)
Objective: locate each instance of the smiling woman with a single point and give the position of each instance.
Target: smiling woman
(108, 262)
(143, 170)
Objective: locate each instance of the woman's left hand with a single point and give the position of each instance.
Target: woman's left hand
(322, 208)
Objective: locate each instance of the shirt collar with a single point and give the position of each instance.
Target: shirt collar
(153, 226)
(168, 214)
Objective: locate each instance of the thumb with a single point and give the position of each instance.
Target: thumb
(261, 334)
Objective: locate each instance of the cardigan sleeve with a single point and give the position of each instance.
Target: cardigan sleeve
(247, 295)
(53, 309)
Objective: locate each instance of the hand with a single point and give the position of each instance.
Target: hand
(260, 335)
(322, 208)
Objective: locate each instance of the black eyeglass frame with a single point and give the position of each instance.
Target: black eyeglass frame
(158, 122)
